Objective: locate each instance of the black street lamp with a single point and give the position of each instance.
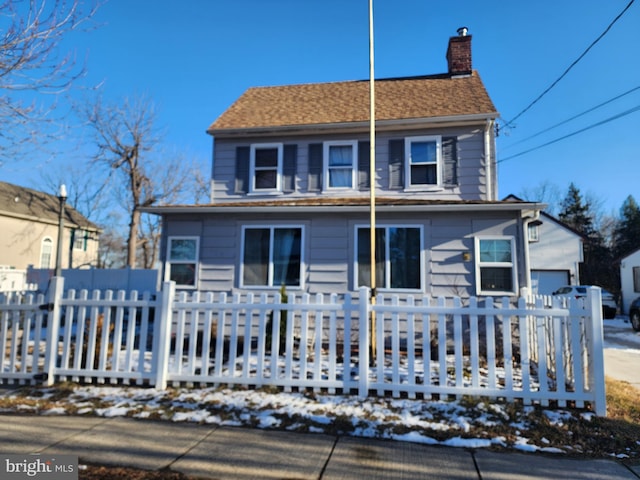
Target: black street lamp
(62, 196)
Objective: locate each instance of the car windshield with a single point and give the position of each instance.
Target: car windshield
(563, 290)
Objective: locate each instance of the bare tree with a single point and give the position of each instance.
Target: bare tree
(31, 60)
(127, 142)
(545, 192)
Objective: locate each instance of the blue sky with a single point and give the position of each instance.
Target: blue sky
(194, 58)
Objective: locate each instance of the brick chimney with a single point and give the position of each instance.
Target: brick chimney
(459, 53)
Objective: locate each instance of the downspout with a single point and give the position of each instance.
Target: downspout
(525, 240)
(492, 183)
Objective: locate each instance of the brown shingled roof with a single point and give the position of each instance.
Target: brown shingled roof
(26, 202)
(345, 102)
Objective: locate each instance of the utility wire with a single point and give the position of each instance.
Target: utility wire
(574, 117)
(510, 122)
(607, 120)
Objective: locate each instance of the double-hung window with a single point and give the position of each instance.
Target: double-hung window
(46, 252)
(340, 164)
(80, 240)
(495, 265)
(272, 256)
(182, 260)
(266, 167)
(398, 257)
(423, 161)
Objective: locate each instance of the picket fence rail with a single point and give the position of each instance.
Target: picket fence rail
(534, 350)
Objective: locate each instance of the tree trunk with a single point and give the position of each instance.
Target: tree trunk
(132, 241)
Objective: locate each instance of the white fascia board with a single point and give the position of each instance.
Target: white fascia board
(450, 120)
(255, 209)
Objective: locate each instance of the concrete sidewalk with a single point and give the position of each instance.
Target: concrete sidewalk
(243, 453)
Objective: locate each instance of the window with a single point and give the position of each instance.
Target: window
(182, 260)
(46, 251)
(272, 256)
(340, 164)
(80, 240)
(422, 163)
(533, 231)
(266, 167)
(495, 268)
(398, 257)
(636, 279)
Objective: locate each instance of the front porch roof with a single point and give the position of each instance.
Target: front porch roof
(342, 204)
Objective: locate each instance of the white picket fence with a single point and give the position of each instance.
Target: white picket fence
(531, 351)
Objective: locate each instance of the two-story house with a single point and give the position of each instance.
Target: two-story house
(291, 186)
(29, 222)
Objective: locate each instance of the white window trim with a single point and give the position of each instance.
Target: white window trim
(387, 280)
(325, 163)
(533, 233)
(407, 162)
(252, 168)
(80, 234)
(271, 228)
(479, 264)
(49, 241)
(169, 262)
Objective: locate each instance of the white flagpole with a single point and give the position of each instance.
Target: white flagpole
(372, 180)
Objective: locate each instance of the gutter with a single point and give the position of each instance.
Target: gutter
(254, 209)
(525, 247)
(450, 120)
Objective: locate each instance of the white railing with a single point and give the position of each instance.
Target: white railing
(530, 351)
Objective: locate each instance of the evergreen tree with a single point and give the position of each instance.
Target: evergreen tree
(598, 267)
(627, 232)
(576, 212)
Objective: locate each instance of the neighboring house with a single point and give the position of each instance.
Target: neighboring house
(29, 222)
(629, 280)
(555, 253)
(291, 186)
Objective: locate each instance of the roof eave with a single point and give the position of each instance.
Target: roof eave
(254, 209)
(448, 120)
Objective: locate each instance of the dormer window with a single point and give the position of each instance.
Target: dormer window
(266, 167)
(423, 161)
(340, 164)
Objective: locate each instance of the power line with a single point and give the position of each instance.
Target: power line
(571, 66)
(607, 120)
(574, 117)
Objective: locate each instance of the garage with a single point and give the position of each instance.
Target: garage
(545, 282)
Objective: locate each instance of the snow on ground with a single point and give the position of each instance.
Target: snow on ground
(620, 335)
(465, 422)
(468, 423)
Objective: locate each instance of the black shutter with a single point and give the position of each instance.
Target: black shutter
(364, 168)
(396, 164)
(450, 160)
(243, 155)
(289, 162)
(315, 167)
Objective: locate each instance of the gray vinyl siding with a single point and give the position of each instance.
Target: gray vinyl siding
(329, 244)
(471, 169)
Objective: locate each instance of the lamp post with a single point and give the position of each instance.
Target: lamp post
(62, 196)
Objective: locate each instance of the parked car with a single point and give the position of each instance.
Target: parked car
(634, 314)
(609, 305)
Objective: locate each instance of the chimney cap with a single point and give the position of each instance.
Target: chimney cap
(462, 31)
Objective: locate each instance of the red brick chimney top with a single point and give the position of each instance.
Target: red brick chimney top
(459, 53)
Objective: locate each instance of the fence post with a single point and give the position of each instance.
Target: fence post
(363, 343)
(53, 325)
(596, 366)
(162, 335)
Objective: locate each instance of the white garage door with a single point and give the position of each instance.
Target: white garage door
(548, 281)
